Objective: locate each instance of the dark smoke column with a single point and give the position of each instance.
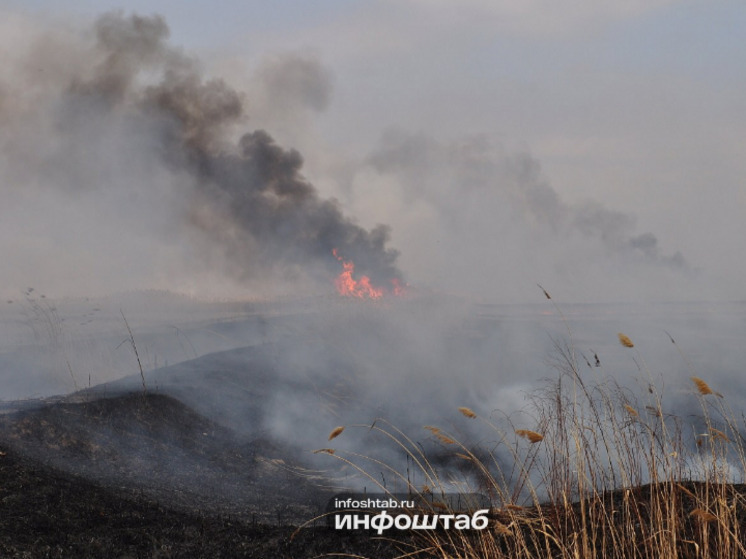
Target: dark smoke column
(263, 193)
(250, 198)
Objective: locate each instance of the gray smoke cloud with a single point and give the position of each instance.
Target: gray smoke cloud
(474, 217)
(518, 179)
(294, 80)
(125, 124)
(125, 158)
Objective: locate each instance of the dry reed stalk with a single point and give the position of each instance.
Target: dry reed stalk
(653, 411)
(502, 529)
(467, 412)
(336, 432)
(702, 387)
(718, 434)
(632, 411)
(624, 340)
(444, 438)
(685, 490)
(703, 516)
(532, 436)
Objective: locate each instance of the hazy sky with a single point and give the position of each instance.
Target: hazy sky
(598, 148)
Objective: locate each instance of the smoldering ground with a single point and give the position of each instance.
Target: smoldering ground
(288, 373)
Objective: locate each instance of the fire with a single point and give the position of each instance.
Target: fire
(348, 286)
(397, 286)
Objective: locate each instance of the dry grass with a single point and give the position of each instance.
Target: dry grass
(324, 450)
(624, 340)
(632, 411)
(445, 439)
(336, 432)
(532, 436)
(703, 516)
(605, 482)
(702, 386)
(468, 412)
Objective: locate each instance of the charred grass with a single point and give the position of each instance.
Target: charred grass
(142, 475)
(53, 514)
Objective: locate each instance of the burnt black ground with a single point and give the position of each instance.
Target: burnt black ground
(52, 514)
(154, 444)
(91, 479)
(96, 479)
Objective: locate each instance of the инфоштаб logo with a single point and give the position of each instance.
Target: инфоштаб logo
(406, 511)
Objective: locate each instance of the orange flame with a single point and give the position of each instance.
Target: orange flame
(348, 286)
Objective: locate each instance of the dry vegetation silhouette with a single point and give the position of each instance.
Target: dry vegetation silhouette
(593, 469)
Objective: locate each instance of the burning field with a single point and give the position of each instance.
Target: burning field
(211, 456)
(289, 403)
(215, 333)
(126, 469)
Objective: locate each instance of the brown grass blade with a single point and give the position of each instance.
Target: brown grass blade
(468, 412)
(685, 490)
(336, 432)
(444, 438)
(532, 436)
(653, 411)
(630, 410)
(624, 340)
(502, 529)
(718, 434)
(702, 387)
(703, 516)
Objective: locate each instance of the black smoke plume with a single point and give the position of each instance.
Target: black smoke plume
(243, 193)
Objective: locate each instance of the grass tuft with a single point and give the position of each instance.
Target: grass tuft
(608, 482)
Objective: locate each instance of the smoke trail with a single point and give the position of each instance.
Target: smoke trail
(474, 166)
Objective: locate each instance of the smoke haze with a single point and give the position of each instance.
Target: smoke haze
(126, 159)
(127, 164)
